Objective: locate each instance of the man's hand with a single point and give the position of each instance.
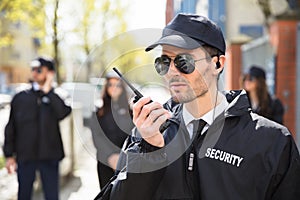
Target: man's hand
(11, 165)
(48, 83)
(148, 117)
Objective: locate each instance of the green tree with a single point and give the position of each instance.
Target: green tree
(53, 34)
(56, 41)
(99, 18)
(114, 46)
(97, 22)
(21, 11)
(108, 16)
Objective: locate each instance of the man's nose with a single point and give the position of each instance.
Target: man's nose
(172, 69)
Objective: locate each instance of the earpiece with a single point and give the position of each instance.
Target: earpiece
(218, 64)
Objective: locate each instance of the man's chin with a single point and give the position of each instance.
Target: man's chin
(41, 82)
(182, 99)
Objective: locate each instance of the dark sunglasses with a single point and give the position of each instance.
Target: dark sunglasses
(37, 69)
(119, 85)
(185, 63)
(248, 78)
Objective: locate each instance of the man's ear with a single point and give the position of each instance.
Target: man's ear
(220, 61)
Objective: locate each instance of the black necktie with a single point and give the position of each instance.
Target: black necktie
(196, 140)
(198, 126)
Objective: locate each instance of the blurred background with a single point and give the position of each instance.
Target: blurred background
(87, 38)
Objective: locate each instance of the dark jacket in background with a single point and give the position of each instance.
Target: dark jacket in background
(32, 132)
(110, 131)
(243, 156)
(275, 110)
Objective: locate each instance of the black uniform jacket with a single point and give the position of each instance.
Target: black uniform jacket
(242, 157)
(32, 132)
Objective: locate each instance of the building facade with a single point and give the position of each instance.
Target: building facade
(15, 57)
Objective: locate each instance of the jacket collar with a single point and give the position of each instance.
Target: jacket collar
(238, 105)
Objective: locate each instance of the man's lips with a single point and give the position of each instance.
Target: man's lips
(176, 85)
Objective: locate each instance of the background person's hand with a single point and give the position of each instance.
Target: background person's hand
(48, 83)
(11, 165)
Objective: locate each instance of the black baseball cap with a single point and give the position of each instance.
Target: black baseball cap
(112, 74)
(42, 61)
(189, 31)
(256, 71)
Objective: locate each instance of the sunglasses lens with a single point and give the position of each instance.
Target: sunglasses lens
(162, 64)
(118, 85)
(185, 63)
(248, 78)
(37, 69)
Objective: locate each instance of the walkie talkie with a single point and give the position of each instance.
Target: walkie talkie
(139, 95)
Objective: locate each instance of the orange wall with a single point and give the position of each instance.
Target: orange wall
(233, 67)
(283, 38)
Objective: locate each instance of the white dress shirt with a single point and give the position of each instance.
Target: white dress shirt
(209, 117)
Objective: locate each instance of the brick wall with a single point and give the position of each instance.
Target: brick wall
(169, 10)
(283, 39)
(233, 66)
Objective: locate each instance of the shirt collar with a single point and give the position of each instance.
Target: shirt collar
(209, 116)
(35, 86)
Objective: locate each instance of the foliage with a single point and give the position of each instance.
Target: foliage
(101, 18)
(2, 162)
(127, 54)
(114, 45)
(28, 12)
(75, 32)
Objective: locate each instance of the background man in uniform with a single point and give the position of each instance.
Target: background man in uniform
(32, 136)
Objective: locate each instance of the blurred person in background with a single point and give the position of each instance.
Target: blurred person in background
(262, 103)
(32, 135)
(110, 125)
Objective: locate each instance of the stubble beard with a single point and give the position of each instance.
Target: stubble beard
(41, 82)
(188, 95)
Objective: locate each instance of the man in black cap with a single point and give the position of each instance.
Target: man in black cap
(32, 135)
(214, 147)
